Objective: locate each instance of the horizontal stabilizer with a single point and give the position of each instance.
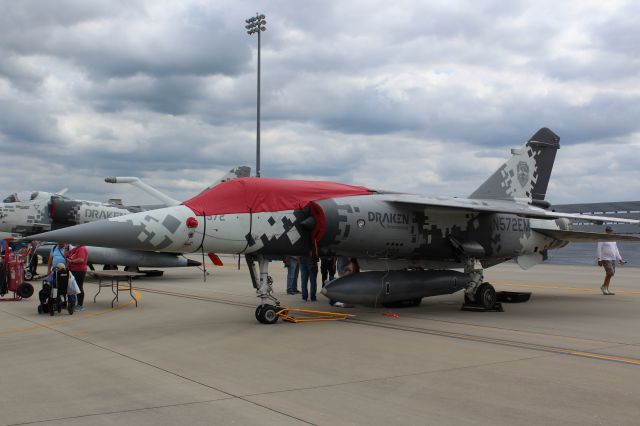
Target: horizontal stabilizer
(585, 237)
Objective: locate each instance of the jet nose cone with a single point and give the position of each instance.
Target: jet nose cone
(156, 230)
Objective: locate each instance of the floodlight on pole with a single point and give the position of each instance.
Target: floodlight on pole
(255, 25)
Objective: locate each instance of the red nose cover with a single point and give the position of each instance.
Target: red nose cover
(244, 195)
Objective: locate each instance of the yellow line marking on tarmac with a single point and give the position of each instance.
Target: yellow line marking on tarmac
(70, 318)
(512, 343)
(559, 287)
(607, 357)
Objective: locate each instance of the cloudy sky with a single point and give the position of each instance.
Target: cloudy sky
(420, 96)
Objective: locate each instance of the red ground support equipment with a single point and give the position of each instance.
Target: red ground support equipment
(12, 275)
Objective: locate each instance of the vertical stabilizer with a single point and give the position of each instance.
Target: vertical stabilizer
(526, 174)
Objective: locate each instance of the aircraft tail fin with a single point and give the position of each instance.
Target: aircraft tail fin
(526, 174)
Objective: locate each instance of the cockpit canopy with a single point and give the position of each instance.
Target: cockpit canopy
(22, 196)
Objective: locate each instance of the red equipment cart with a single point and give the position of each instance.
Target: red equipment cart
(12, 274)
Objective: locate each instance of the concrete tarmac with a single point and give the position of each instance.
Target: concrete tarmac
(192, 353)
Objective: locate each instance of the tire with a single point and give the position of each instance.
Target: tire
(70, 309)
(51, 309)
(259, 313)
(486, 296)
(25, 290)
(268, 314)
(40, 311)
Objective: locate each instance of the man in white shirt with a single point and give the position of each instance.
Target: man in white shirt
(608, 254)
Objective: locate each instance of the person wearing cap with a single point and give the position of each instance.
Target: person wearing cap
(608, 254)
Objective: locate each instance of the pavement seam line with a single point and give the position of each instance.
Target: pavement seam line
(501, 342)
(399, 376)
(131, 410)
(163, 369)
(460, 336)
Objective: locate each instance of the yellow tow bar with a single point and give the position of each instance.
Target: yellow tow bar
(310, 316)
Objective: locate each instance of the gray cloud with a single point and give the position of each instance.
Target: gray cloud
(390, 95)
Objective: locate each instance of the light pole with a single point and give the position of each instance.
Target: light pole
(257, 25)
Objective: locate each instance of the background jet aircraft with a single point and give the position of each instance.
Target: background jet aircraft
(407, 242)
(28, 213)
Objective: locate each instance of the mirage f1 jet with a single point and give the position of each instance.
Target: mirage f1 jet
(407, 243)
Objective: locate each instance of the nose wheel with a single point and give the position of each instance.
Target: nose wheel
(267, 314)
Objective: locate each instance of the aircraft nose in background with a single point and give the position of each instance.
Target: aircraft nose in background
(157, 230)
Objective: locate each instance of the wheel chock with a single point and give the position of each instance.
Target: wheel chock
(475, 308)
(307, 315)
(513, 296)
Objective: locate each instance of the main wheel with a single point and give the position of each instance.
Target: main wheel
(268, 314)
(40, 311)
(486, 296)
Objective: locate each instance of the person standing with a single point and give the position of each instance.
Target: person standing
(78, 257)
(327, 269)
(608, 254)
(291, 262)
(309, 275)
(56, 256)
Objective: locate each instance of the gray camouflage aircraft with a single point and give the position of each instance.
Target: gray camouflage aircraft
(407, 244)
(28, 213)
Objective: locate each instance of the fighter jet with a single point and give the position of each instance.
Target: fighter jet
(407, 244)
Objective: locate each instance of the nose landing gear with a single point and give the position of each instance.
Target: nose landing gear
(266, 313)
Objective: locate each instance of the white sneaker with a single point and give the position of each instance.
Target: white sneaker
(610, 293)
(604, 290)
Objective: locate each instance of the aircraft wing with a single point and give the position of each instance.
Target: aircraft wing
(585, 237)
(494, 206)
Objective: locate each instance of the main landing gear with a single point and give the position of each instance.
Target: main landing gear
(266, 312)
(479, 295)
